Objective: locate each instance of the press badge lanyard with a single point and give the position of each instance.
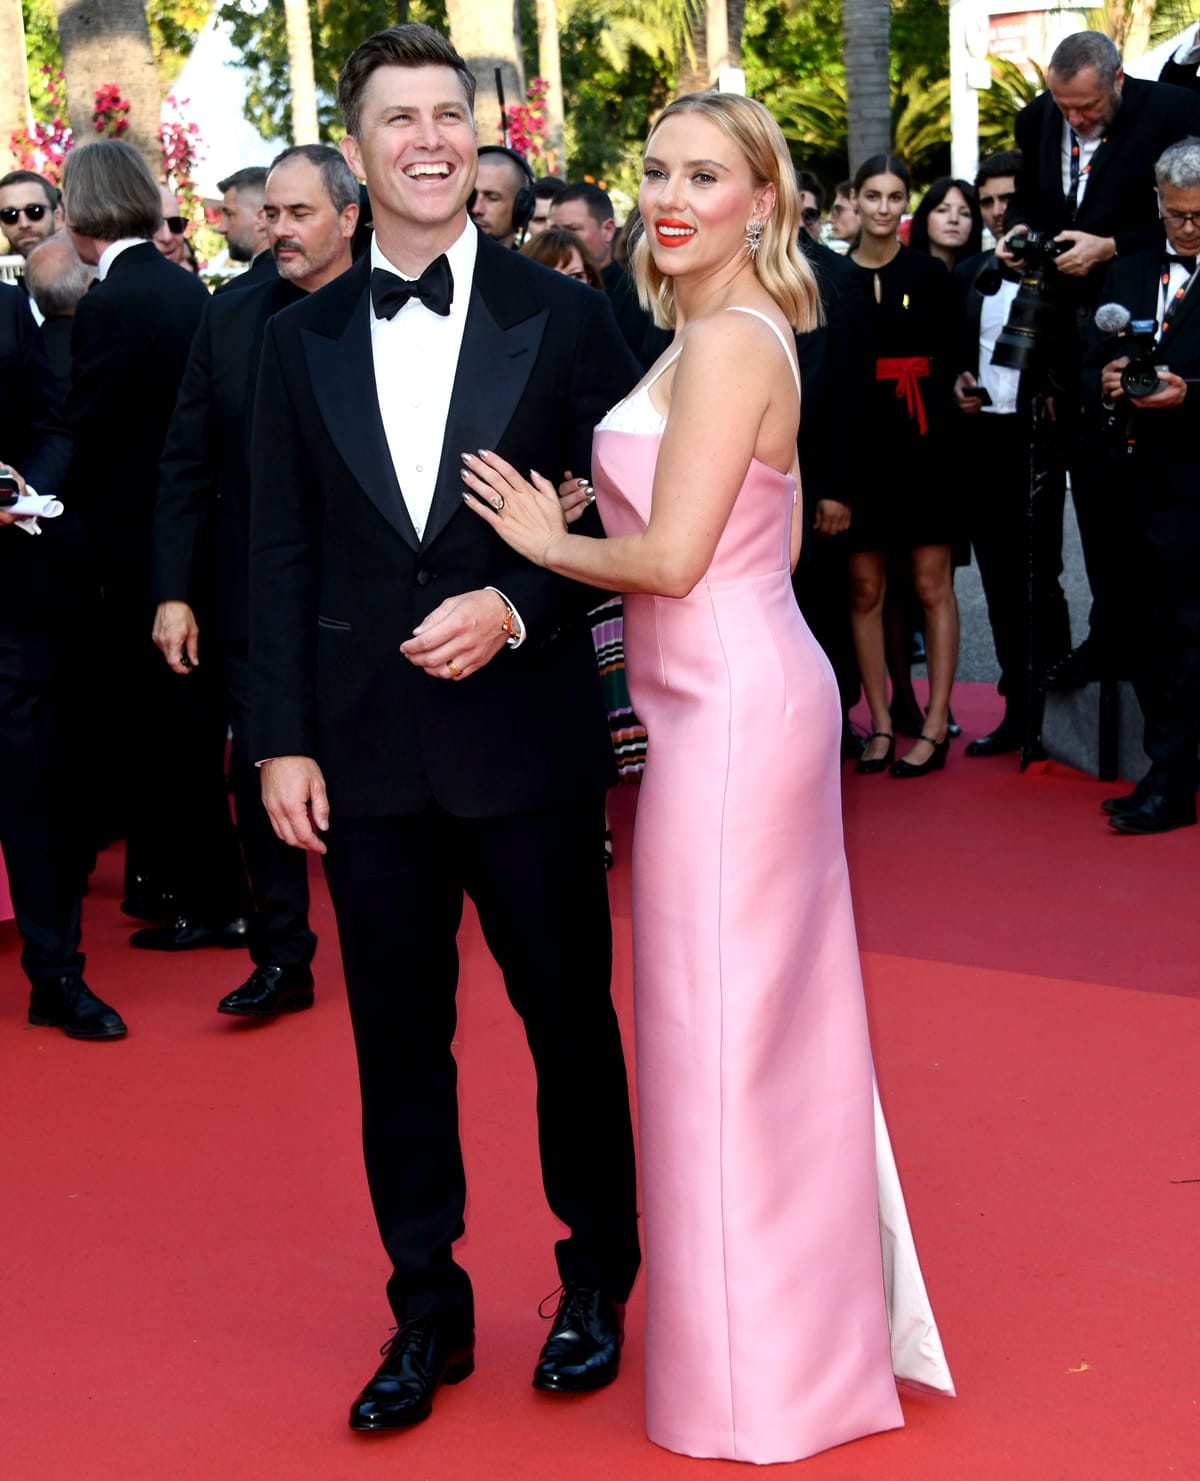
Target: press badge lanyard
(1077, 174)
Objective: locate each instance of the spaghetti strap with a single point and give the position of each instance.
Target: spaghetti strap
(662, 369)
(738, 308)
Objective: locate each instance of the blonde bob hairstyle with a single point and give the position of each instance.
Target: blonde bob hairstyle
(780, 264)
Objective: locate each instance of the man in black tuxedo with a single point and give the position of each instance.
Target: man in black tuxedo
(202, 538)
(582, 207)
(1088, 146)
(427, 710)
(1157, 437)
(129, 347)
(242, 222)
(44, 864)
(57, 280)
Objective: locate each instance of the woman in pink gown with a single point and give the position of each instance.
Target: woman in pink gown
(783, 1292)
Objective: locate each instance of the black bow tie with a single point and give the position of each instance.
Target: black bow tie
(435, 289)
(1172, 258)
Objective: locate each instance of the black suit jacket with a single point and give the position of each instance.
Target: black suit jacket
(263, 268)
(1119, 199)
(836, 373)
(339, 578)
(34, 441)
(202, 516)
(1165, 441)
(1178, 75)
(129, 347)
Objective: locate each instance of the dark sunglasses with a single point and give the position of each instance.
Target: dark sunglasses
(177, 224)
(10, 215)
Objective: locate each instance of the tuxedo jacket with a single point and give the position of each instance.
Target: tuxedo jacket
(262, 269)
(202, 515)
(129, 347)
(1178, 75)
(1119, 198)
(339, 578)
(34, 441)
(1165, 442)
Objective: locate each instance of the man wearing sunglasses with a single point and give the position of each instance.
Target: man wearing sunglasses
(29, 210)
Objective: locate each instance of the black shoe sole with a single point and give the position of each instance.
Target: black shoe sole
(38, 1020)
(455, 1373)
(296, 1005)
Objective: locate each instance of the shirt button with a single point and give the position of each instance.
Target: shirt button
(420, 468)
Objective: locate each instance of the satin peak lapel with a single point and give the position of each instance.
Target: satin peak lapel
(494, 366)
(343, 378)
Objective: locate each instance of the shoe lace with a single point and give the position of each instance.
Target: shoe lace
(407, 1337)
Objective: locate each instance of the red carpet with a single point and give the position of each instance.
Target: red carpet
(194, 1287)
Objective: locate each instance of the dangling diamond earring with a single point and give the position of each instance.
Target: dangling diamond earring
(754, 231)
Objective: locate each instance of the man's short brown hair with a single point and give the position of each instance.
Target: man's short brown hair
(410, 45)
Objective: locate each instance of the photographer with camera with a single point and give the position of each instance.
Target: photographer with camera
(1088, 147)
(1153, 398)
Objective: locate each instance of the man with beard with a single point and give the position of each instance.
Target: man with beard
(1088, 147)
(243, 224)
(202, 538)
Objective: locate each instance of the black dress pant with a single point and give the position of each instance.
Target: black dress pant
(41, 842)
(821, 583)
(279, 930)
(538, 884)
(1166, 675)
(173, 728)
(996, 449)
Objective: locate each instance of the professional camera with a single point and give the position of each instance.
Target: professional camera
(1024, 341)
(1135, 338)
(1036, 248)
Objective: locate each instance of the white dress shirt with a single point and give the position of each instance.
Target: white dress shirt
(1000, 383)
(1087, 150)
(416, 360)
(113, 251)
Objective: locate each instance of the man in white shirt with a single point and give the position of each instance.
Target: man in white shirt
(427, 711)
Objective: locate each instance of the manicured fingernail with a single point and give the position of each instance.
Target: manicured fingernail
(483, 453)
(467, 457)
(534, 473)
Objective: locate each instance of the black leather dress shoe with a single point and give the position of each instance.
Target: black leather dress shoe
(271, 990)
(1003, 740)
(150, 906)
(69, 1004)
(1156, 813)
(1123, 804)
(422, 1355)
(583, 1351)
(1072, 671)
(183, 934)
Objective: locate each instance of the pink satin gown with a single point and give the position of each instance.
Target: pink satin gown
(767, 1317)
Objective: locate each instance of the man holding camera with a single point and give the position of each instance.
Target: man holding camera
(1156, 439)
(1088, 145)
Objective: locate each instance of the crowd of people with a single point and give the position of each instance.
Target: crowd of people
(457, 461)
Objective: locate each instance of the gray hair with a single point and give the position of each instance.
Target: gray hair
(1179, 164)
(1083, 49)
(336, 176)
(56, 276)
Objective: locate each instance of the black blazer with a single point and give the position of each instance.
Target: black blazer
(202, 516)
(129, 347)
(1119, 199)
(34, 441)
(836, 373)
(339, 578)
(1165, 441)
(262, 269)
(1177, 75)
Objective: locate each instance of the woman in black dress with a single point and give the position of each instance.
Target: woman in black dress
(906, 506)
(948, 223)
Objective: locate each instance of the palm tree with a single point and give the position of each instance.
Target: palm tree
(108, 42)
(14, 85)
(485, 34)
(550, 70)
(300, 72)
(866, 26)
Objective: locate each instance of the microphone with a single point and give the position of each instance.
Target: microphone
(1113, 318)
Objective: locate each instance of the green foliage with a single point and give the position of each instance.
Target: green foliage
(999, 105)
(259, 32)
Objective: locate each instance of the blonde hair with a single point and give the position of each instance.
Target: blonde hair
(780, 265)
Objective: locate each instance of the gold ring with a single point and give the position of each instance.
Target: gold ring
(455, 671)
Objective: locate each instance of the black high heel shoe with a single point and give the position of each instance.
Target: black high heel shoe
(863, 767)
(935, 761)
